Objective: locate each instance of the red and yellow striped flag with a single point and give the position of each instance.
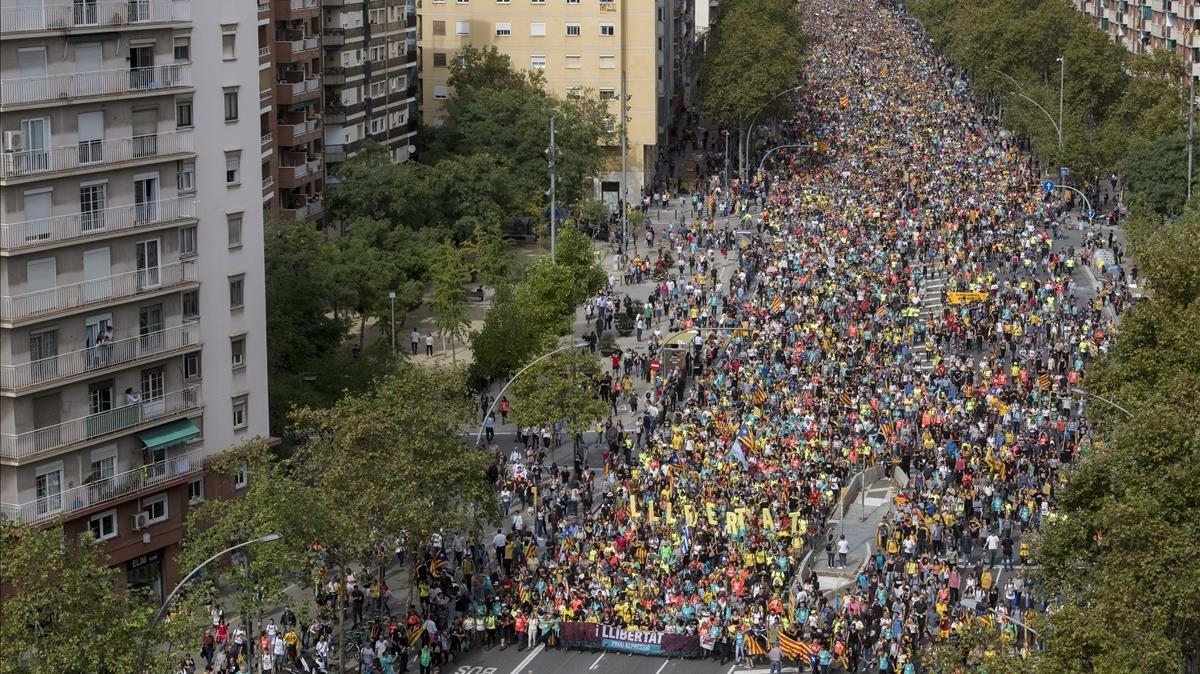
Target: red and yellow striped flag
(777, 305)
(760, 397)
(1044, 381)
(756, 645)
(794, 648)
(415, 634)
(845, 398)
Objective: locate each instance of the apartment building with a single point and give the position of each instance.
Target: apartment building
(290, 62)
(129, 211)
(1150, 25)
(370, 77)
(577, 44)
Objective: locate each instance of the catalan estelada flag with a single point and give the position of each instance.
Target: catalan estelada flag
(777, 305)
(760, 397)
(437, 567)
(845, 398)
(888, 429)
(756, 645)
(794, 648)
(415, 634)
(881, 312)
(1044, 381)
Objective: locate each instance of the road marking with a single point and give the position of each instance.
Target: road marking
(731, 668)
(664, 666)
(529, 658)
(597, 662)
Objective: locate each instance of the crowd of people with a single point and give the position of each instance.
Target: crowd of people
(814, 353)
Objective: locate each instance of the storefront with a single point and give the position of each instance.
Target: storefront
(146, 572)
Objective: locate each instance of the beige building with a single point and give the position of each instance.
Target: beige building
(577, 44)
(130, 209)
(1150, 25)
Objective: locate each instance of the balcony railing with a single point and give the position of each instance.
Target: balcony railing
(265, 142)
(119, 352)
(335, 37)
(106, 489)
(65, 86)
(96, 291)
(90, 153)
(300, 170)
(335, 153)
(309, 208)
(108, 422)
(67, 15)
(31, 233)
(291, 92)
(290, 134)
(297, 5)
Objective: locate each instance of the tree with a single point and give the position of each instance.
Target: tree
(562, 388)
(488, 254)
(979, 646)
(367, 273)
(754, 52)
(63, 611)
(449, 304)
(1154, 173)
(552, 290)
(506, 338)
(489, 68)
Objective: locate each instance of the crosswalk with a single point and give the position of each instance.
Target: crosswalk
(931, 307)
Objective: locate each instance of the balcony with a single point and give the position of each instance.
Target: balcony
(40, 442)
(301, 48)
(289, 10)
(287, 93)
(82, 16)
(264, 55)
(335, 154)
(63, 87)
(96, 154)
(334, 37)
(335, 75)
(66, 228)
(298, 134)
(299, 211)
(264, 10)
(58, 369)
(97, 492)
(45, 303)
(264, 144)
(298, 174)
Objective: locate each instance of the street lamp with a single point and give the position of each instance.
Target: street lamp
(535, 361)
(1089, 394)
(750, 129)
(1062, 74)
(162, 610)
(726, 134)
(1020, 92)
(392, 299)
(779, 147)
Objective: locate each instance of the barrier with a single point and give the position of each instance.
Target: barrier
(621, 640)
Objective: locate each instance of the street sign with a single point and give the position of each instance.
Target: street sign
(1048, 185)
(1091, 214)
(1062, 171)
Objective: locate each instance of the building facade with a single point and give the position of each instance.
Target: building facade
(578, 45)
(1150, 25)
(290, 61)
(370, 77)
(129, 211)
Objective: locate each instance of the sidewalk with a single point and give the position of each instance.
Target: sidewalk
(858, 524)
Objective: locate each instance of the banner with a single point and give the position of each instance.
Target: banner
(965, 297)
(612, 638)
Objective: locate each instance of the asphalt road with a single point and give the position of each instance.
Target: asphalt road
(542, 661)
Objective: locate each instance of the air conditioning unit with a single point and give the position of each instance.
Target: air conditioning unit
(139, 521)
(14, 141)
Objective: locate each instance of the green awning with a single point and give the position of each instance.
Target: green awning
(174, 433)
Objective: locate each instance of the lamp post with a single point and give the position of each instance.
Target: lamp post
(1020, 92)
(726, 134)
(750, 129)
(1089, 394)
(1062, 74)
(535, 361)
(778, 147)
(162, 610)
(392, 299)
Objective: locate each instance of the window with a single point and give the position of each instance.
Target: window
(241, 479)
(575, 93)
(608, 94)
(537, 2)
(462, 27)
(378, 52)
(377, 125)
(439, 59)
(439, 27)
(573, 2)
(574, 30)
(191, 365)
(196, 491)
(183, 114)
(185, 176)
(234, 225)
(187, 240)
(239, 412)
(608, 29)
(48, 484)
(153, 382)
(378, 89)
(376, 16)
(574, 62)
(155, 508)
(398, 83)
(233, 167)
(237, 290)
(503, 29)
(92, 200)
(537, 62)
(191, 304)
(439, 92)
(237, 351)
(182, 49)
(537, 29)
(607, 62)
(104, 525)
(231, 104)
(229, 42)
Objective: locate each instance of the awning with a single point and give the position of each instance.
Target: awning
(174, 433)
